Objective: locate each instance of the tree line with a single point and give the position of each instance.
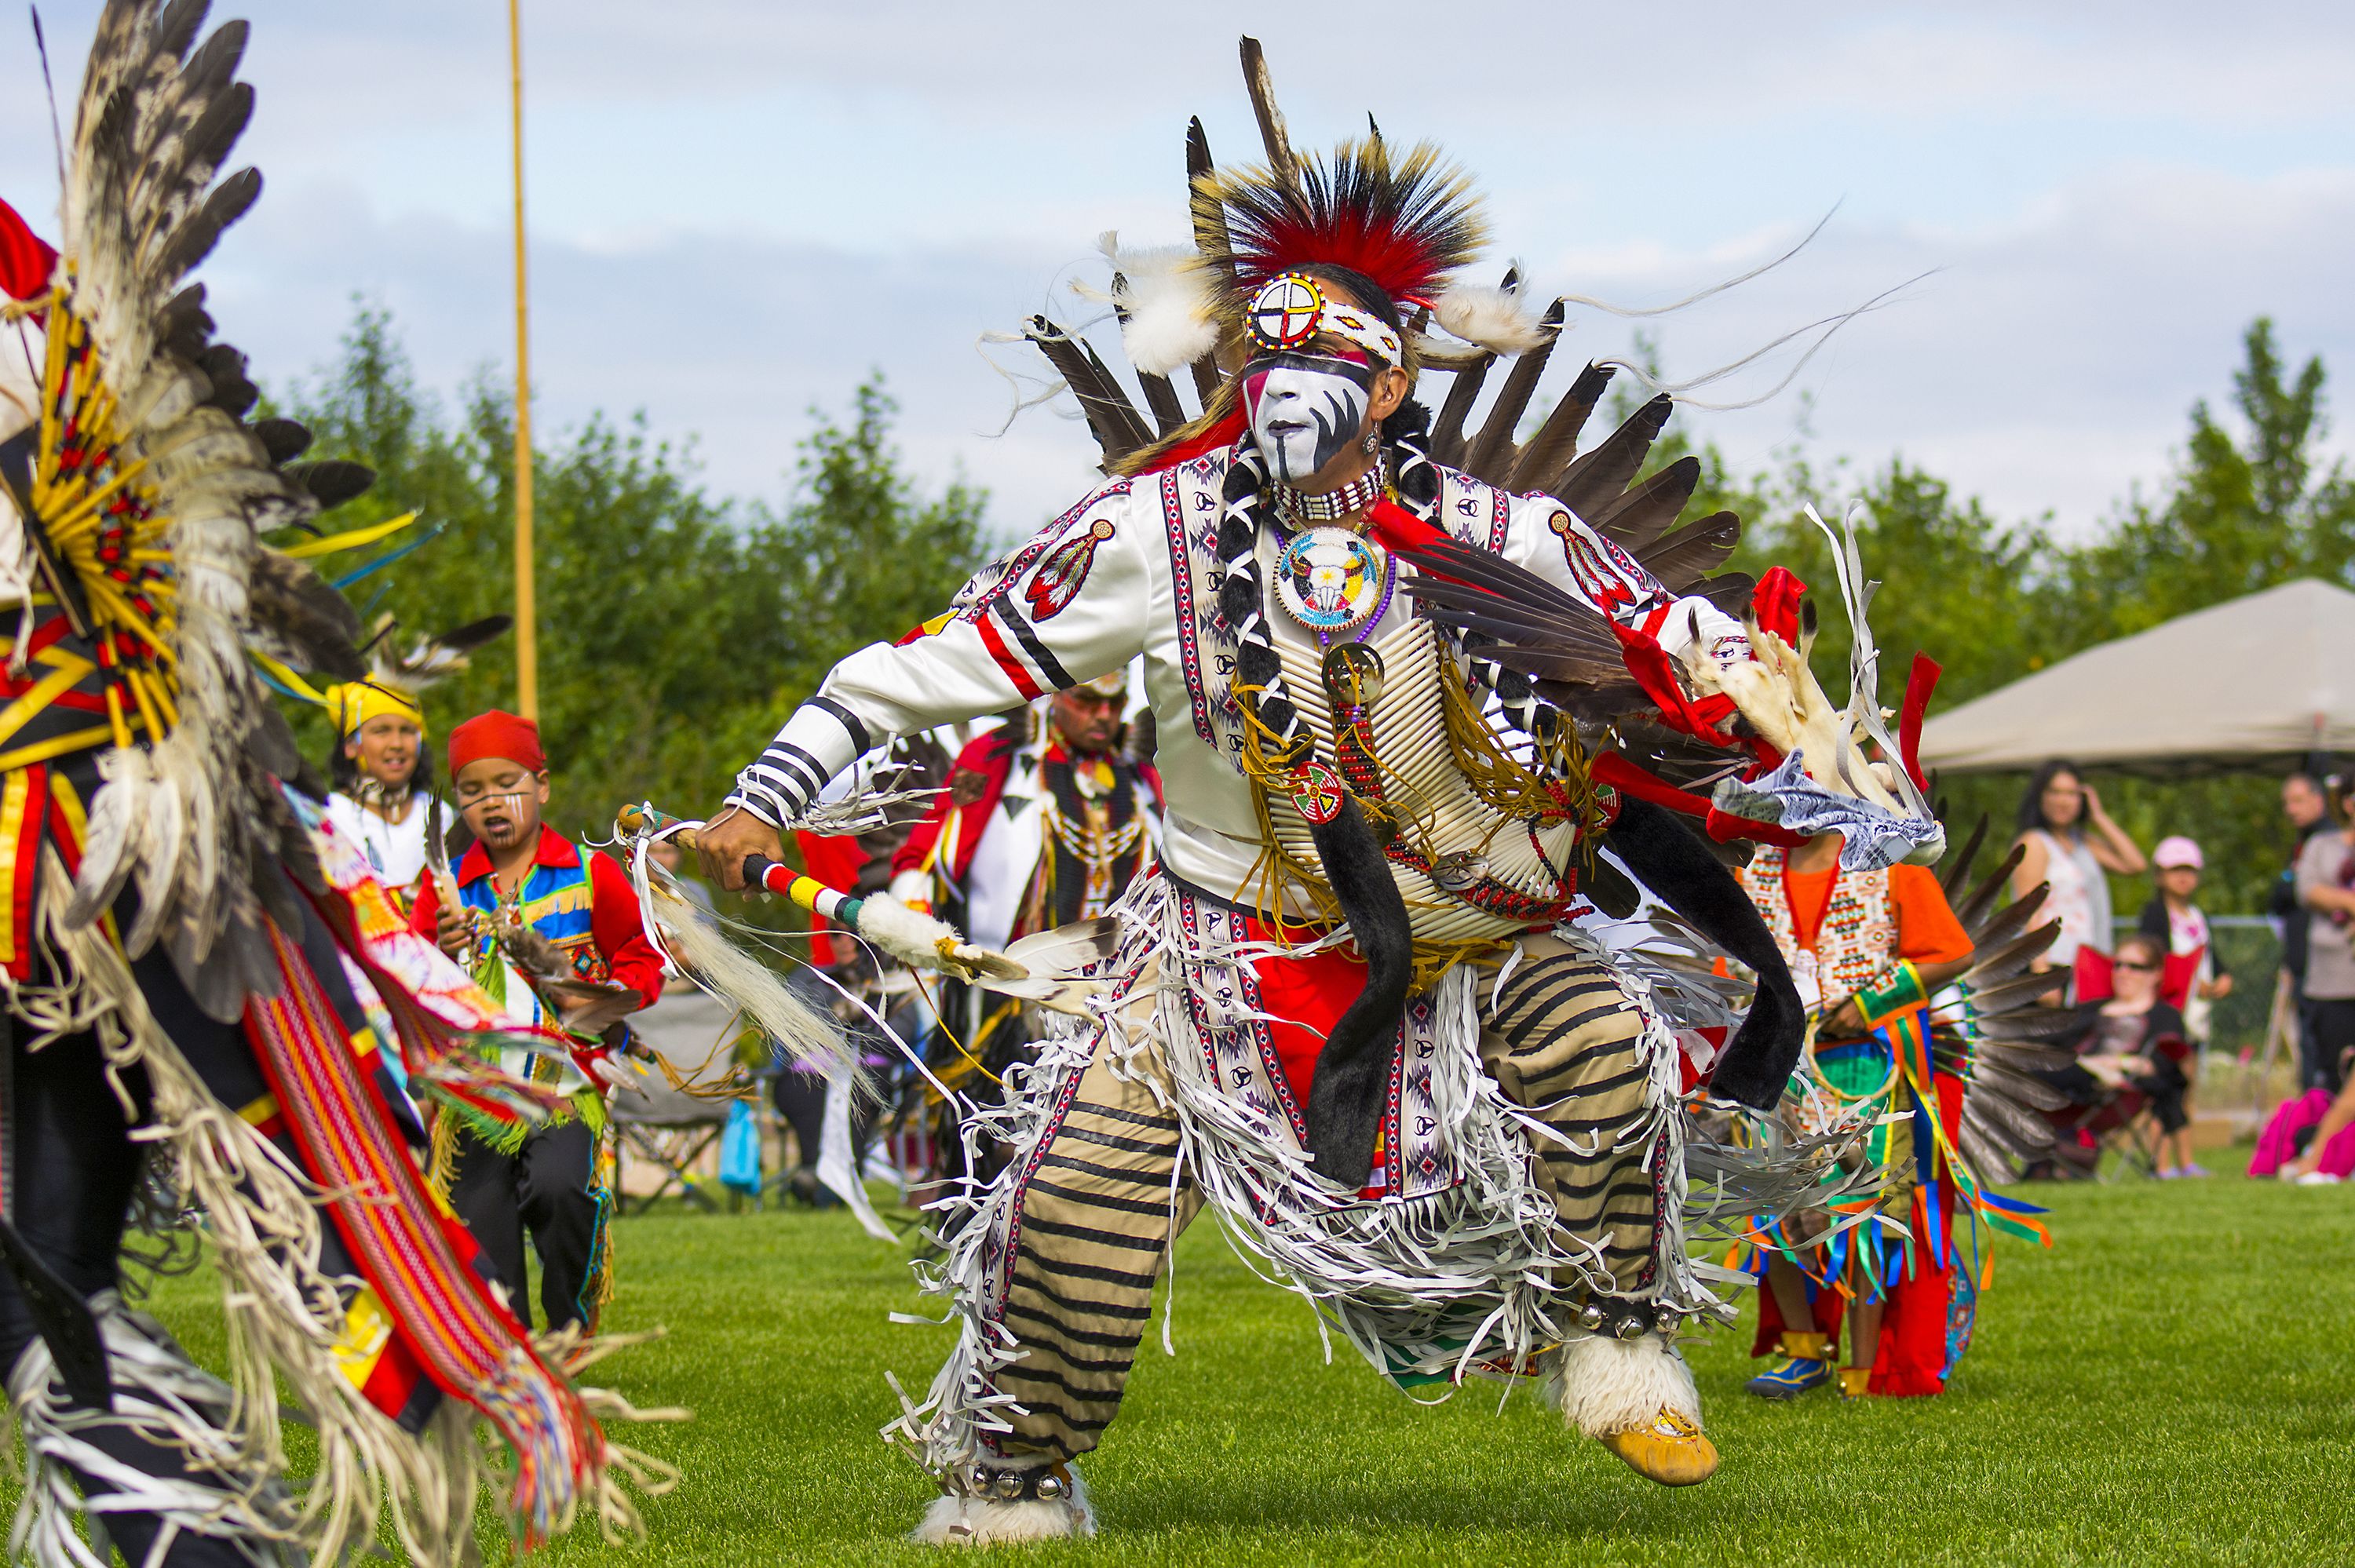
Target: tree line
(678, 627)
(1993, 600)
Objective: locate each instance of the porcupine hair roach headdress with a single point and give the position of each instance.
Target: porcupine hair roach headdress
(1363, 219)
(1406, 224)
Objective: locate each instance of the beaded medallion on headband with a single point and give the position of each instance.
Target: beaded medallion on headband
(1290, 311)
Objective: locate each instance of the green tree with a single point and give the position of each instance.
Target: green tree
(1994, 601)
(2236, 516)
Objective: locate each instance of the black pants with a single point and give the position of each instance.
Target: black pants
(71, 1172)
(2164, 1087)
(548, 1187)
(800, 1095)
(2329, 1030)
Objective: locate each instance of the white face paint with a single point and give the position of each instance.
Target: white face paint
(1304, 410)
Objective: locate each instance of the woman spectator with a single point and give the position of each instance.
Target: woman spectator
(2326, 887)
(2055, 815)
(2135, 1041)
(2173, 918)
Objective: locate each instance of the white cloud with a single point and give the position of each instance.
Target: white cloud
(740, 208)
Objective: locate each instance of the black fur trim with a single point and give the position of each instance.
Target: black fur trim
(1353, 1068)
(1671, 860)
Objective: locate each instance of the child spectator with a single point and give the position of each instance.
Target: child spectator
(2173, 918)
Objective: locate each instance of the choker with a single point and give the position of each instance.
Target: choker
(1351, 500)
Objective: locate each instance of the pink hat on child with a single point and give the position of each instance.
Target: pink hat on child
(2176, 850)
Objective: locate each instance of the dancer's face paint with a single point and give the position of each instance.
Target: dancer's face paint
(1305, 410)
(501, 801)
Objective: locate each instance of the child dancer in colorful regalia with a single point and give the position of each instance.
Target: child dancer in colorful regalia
(544, 927)
(1867, 949)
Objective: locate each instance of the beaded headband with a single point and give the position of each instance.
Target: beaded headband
(1290, 311)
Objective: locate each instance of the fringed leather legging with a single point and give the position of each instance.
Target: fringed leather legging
(1095, 1214)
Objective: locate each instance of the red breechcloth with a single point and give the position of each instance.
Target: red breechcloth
(1303, 998)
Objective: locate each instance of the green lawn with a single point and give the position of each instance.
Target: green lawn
(2171, 1384)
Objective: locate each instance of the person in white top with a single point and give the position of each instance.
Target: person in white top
(381, 773)
(2068, 842)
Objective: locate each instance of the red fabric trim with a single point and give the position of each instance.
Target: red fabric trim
(339, 1122)
(992, 757)
(1615, 771)
(1920, 681)
(619, 926)
(29, 852)
(836, 860)
(1303, 999)
(1225, 433)
(27, 261)
(1396, 528)
(1648, 662)
(1774, 603)
(1028, 689)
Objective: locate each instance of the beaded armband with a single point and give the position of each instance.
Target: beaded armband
(1902, 991)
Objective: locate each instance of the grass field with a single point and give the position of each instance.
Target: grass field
(2171, 1385)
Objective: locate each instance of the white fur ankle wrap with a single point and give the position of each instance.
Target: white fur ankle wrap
(1602, 1385)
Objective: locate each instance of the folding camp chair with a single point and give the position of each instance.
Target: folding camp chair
(656, 1123)
(2120, 1122)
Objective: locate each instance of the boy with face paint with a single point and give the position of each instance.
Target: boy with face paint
(1317, 932)
(525, 906)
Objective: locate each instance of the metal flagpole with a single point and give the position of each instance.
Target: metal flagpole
(527, 621)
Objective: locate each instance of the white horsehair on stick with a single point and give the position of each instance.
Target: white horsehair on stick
(718, 966)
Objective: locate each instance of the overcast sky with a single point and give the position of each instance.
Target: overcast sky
(739, 206)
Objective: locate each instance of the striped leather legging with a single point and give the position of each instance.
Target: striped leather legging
(1086, 1238)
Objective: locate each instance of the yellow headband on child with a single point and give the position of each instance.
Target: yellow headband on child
(354, 705)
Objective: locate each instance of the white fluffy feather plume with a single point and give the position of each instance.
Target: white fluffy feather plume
(1492, 317)
(1169, 316)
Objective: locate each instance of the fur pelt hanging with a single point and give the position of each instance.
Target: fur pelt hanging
(1494, 316)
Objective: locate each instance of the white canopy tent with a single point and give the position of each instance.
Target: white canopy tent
(2253, 682)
